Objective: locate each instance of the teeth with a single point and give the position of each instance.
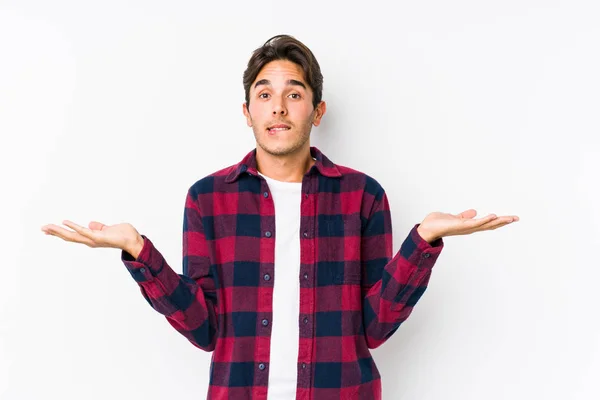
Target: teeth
(279, 129)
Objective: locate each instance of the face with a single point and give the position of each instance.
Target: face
(280, 95)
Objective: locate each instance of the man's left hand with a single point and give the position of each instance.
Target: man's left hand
(437, 225)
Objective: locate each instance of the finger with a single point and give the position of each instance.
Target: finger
(506, 219)
(86, 232)
(67, 235)
(479, 222)
(494, 224)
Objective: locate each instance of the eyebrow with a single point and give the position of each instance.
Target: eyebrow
(292, 82)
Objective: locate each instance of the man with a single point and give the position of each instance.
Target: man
(288, 272)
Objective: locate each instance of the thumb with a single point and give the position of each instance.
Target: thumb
(96, 226)
(470, 213)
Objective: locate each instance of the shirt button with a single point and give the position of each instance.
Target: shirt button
(265, 322)
(306, 320)
(268, 233)
(266, 277)
(303, 365)
(306, 195)
(142, 270)
(261, 366)
(305, 234)
(305, 276)
(266, 194)
(426, 255)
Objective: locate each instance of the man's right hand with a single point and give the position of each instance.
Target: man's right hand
(121, 236)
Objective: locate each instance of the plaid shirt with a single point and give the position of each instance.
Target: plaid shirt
(353, 294)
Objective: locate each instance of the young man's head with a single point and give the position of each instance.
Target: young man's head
(283, 85)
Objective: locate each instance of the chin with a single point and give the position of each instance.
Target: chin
(278, 150)
(280, 146)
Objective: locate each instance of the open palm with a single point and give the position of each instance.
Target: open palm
(440, 224)
(96, 234)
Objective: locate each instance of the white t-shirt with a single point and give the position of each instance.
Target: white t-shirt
(285, 332)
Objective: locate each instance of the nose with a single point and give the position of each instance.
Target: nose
(279, 108)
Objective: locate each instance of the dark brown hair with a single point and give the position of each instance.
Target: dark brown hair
(285, 47)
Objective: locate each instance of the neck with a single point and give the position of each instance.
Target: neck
(286, 168)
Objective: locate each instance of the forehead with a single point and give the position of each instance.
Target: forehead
(281, 70)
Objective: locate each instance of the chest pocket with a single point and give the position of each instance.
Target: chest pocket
(350, 275)
(338, 273)
(333, 266)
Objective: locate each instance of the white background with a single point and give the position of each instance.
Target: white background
(110, 110)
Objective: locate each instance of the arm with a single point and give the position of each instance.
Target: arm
(188, 301)
(392, 286)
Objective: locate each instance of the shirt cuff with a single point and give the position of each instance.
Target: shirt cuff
(147, 265)
(420, 252)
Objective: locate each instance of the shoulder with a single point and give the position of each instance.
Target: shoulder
(359, 180)
(212, 182)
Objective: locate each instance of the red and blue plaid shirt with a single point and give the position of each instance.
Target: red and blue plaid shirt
(353, 294)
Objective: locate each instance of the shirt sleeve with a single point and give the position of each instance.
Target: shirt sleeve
(187, 300)
(391, 285)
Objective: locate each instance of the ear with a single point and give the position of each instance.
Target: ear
(247, 114)
(319, 112)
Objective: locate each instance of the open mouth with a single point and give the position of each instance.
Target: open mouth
(278, 128)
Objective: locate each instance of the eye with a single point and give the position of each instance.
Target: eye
(295, 94)
(260, 95)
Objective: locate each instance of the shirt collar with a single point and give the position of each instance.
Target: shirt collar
(322, 165)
